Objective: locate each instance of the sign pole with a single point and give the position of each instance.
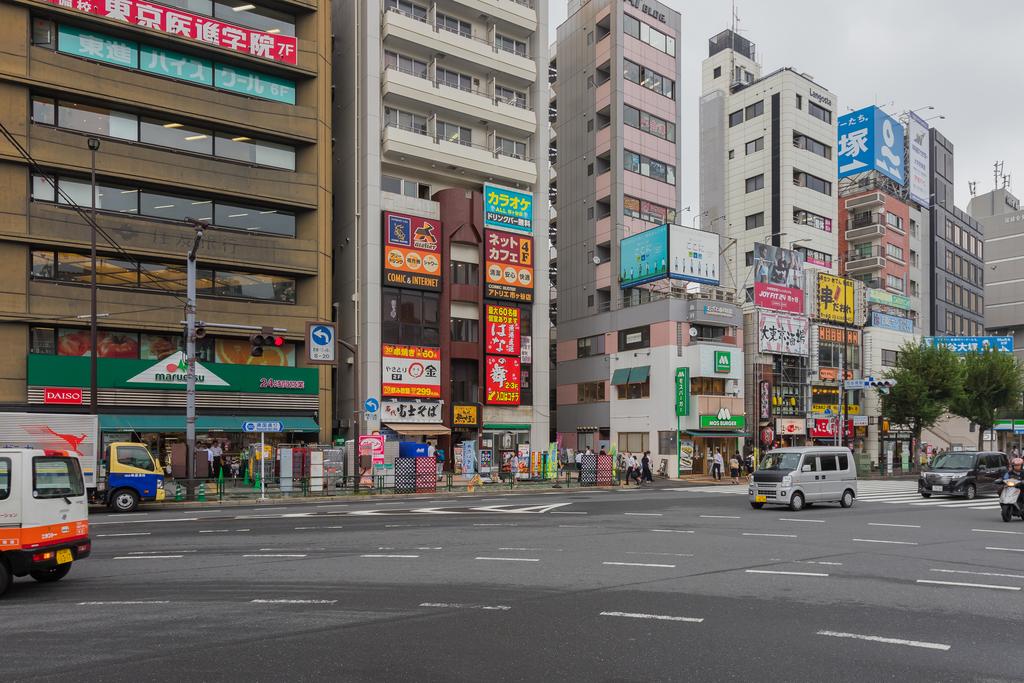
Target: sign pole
(263, 468)
(190, 355)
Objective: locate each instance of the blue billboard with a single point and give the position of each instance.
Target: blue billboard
(871, 140)
(892, 322)
(643, 257)
(508, 209)
(972, 344)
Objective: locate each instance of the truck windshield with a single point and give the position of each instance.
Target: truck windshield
(56, 477)
(5, 478)
(780, 460)
(953, 461)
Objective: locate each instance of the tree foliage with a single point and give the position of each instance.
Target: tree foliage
(929, 381)
(992, 382)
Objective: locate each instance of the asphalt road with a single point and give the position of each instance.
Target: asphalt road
(596, 586)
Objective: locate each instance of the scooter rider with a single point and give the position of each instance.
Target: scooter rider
(1016, 470)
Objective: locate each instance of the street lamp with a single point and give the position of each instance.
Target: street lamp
(94, 145)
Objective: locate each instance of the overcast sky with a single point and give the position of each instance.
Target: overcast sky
(965, 58)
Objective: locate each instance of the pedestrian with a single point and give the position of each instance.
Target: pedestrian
(734, 469)
(645, 468)
(213, 453)
(716, 465)
(631, 470)
(579, 465)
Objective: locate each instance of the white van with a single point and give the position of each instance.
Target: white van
(801, 476)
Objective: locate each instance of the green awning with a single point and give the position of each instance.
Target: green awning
(620, 376)
(204, 423)
(640, 374)
(715, 432)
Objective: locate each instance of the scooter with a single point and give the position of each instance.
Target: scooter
(1011, 503)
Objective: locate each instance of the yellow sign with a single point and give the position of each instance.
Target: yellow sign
(835, 299)
(465, 416)
(822, 407)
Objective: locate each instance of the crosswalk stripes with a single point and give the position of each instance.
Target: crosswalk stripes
(893, 492)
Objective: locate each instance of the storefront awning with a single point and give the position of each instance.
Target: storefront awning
(204, 423)
(620, 376)
(712, 433)
(414, 429)
(640, 374)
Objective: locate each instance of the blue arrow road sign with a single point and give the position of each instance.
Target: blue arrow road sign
(371, 405)
(262, 426)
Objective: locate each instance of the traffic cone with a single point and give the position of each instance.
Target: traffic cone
(202, 492)
(179, 494)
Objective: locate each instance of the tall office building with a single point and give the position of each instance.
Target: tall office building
(1000, 216)
(441, 155)
(958, 271)
(189, 109)
(768, 176)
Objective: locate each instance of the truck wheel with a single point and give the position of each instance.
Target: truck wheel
(5, 578)
(124, 500)
(50, 575)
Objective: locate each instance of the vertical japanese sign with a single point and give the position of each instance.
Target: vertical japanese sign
(149, 15)
(682, 392)
(503, 381)
(412, 251)
(764, 400)
(502, 335)
(410, 371)
(508, 209)
(919, 155)
(778, 278)
(871, 140)
(835, 299)
(508, 260)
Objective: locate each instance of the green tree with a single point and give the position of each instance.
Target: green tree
(992, 382)
(929, 381)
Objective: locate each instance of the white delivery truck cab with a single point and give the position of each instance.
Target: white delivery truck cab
(44, 523)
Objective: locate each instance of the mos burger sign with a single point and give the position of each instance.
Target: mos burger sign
(61, 396)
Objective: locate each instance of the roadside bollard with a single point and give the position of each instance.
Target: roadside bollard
(179, 494)
(202, 492)
(449, 476)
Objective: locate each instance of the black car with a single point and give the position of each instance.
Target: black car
(963, 473)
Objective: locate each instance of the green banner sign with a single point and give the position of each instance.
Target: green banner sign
(880, 296)
(81, 43)
(723, 420)
(176, 65)
(682, 391)
(723, 362)
(169, 374)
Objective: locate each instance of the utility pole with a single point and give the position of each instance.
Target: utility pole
(354, 348)
(190, 354)
(94, 145)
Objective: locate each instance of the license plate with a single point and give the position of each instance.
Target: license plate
(760, 499)
(936, 488)
(64, 556)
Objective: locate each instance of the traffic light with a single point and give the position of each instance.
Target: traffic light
(883, 385)
(265, 337)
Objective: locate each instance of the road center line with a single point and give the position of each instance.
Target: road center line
(673, 531)
(292, 602)
(751, 533)
(508, 559)
(643, 514)
(148, 557)
(566, 512)
(214, 531)
(1009, 550)
(271, 555)
(770, 571)
(125, 602)
(902, 526)
(874, 540)
(791, 519)
(720, 517)
(998, 531)
(663, 554)
(659, 617)
(969, 585)
(456, 605)
(384, 555)
(890, 641)
(964, 571)
(139, 533)
(639, 564)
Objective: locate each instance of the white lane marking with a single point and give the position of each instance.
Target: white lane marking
(157, 552)
(394, 556)
(770, 571)
(270, 555)
(552, 550)
(242, 531)
(998, 531)
(639, 564)
(259, 601)
(875, 540)
(496, 524)
(720, 517)
(964, 571)
(658, 617)
(457, 605)
(214, 531)
(126, 602)
(389, 503)
(430, 548)
(139, 533)
(890, 641)
(395, 526)
(968, 585)
(146, 521)
(751, 533)
(508, 559)
(829, 564)
(663, 554)
(334, 527)
(790, 519)
(643, 514)
(673, 531)
(284, 550)
(306, 528)
(903, 526)
(148, 557)
(566, 512)
(333, 505)
(572, 526)
(1009, 550)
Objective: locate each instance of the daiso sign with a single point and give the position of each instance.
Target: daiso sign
(62, 396)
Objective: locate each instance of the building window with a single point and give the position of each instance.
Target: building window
(667, 443)
(890, 359)
(736, 118)
(409, 188)
(634, 442)
(749, 258)
(648, 167)
(465, 381)
(754, 110)
(802, 179)
(633, 390)
(801, 141)
(894, 252)
(894, 282)
(799, 101)
(815, 257)
(460, 135)
(915, 289)
(755, 220)
(516, 47)
(819, 112)
(405, 120)
(645, 210)
(649, 123)
(651, 80)
(632, 26)
(42, 339)
(453, 79)
(453, 25)
(635, 338)
(707, 386)
(405, 64)
(732, 154)
(590, 172)
(802, 217)
(407, 8)
(755, 183)
(510, 148)
(590, 392)
(717, 72)
(894, 221)
(410, 317)
(711, 333)
(590, 346)
(464, 273)
(755, 145)
(465, 330)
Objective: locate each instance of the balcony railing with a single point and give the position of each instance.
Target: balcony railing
(468, 35)
(863, 220)
(495, 99)
(419, 130)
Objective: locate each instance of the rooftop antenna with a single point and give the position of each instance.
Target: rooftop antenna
(1006, 183)
(997, 170)
(972, 187)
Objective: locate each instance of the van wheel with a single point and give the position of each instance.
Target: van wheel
(796, 503)
(847, 500)
(5, 578)
(757, 506)
(50, 575)
(124, 500)
(971, 492)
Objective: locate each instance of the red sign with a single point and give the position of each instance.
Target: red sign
(502, 335)
(767, 436)
(508, 260)
(503, 381)
(825, 428)
(412, 251)
(62, 396)
(274, 46)
(778, 298)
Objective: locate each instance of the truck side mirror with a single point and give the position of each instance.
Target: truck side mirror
(805, 468)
